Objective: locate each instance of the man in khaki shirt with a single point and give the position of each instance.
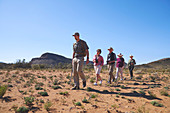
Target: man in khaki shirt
(80, 50)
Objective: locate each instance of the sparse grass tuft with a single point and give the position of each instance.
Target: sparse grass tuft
(22, 110)
(78, 103)
(157, 104)
(3, 90)
(64, 93)
(85, 100)
(29, 100)
(47, 105)
(152, 94)
(164, 93)
(56, 87)
(43, 93)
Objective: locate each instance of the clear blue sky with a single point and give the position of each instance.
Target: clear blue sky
(29, 28)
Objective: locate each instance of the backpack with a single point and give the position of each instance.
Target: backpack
(120, 62)
(84, 53)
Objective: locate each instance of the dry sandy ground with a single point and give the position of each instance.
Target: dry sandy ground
(106, 98)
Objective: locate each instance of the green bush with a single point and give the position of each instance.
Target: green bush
(117, 89)
(43, 93)
(152, 94)
(22, 110)
(164, 93)
(47, 105)
(64, 93)
(55, 82)
(142, 92)
(56, 87)
(41, 101)
(78, 103)
(155, 103)
(123, 87)
(89, 89)
(85, 100)
(3, 90)
(93, 96)
(29, 100)
(38, 88)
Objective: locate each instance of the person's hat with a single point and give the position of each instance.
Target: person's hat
(76, 34)
(110, 48)
(120, 55)
(131, 56)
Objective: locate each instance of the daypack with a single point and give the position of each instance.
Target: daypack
(84, 53)
(120, 63)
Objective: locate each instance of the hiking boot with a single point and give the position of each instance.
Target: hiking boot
(113, 80)
(100, 82)
(95, 84)
(84, 83)
(109, 82)
(76, 88)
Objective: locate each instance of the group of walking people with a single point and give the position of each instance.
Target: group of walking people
(81, 49)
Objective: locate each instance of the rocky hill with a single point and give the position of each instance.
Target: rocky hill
(162, 63)
(51, 59)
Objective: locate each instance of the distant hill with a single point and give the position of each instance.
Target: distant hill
(51, 59)
(162, 63)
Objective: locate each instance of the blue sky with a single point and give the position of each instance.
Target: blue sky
(29, 28)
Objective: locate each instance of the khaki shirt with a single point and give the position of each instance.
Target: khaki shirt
(79, 48)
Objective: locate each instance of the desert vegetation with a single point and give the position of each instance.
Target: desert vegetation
(49, 90)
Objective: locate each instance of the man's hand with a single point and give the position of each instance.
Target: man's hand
(87, 61)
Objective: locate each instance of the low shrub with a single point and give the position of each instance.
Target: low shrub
(78, 103)
(93, 96)
(85, 100)
(43, 93)
(64, 93)
(164, 93)
(29, 100)
(89, 89)
(3, 90)
(117, 89)
(56, 87)
(38, 88)
(22, 110)
(152, 94)
(48, 105)
(157, 104)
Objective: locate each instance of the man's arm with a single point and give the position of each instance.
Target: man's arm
(87, 52)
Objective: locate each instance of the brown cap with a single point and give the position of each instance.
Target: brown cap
(110, 48)
(76, 34)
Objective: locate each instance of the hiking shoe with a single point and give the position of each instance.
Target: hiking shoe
(100, 82)
(113, 80)
(84, 83)
(95, 84)
(76, 88)
(109, 82)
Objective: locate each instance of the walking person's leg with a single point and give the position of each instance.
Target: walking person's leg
(121, 73)
(80, 70)
(110, 73)
(99, 77)
(132, 72)
(75, 74)
(117, 73)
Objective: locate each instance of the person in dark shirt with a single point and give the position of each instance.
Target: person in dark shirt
(131, 65)
(111, 58)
